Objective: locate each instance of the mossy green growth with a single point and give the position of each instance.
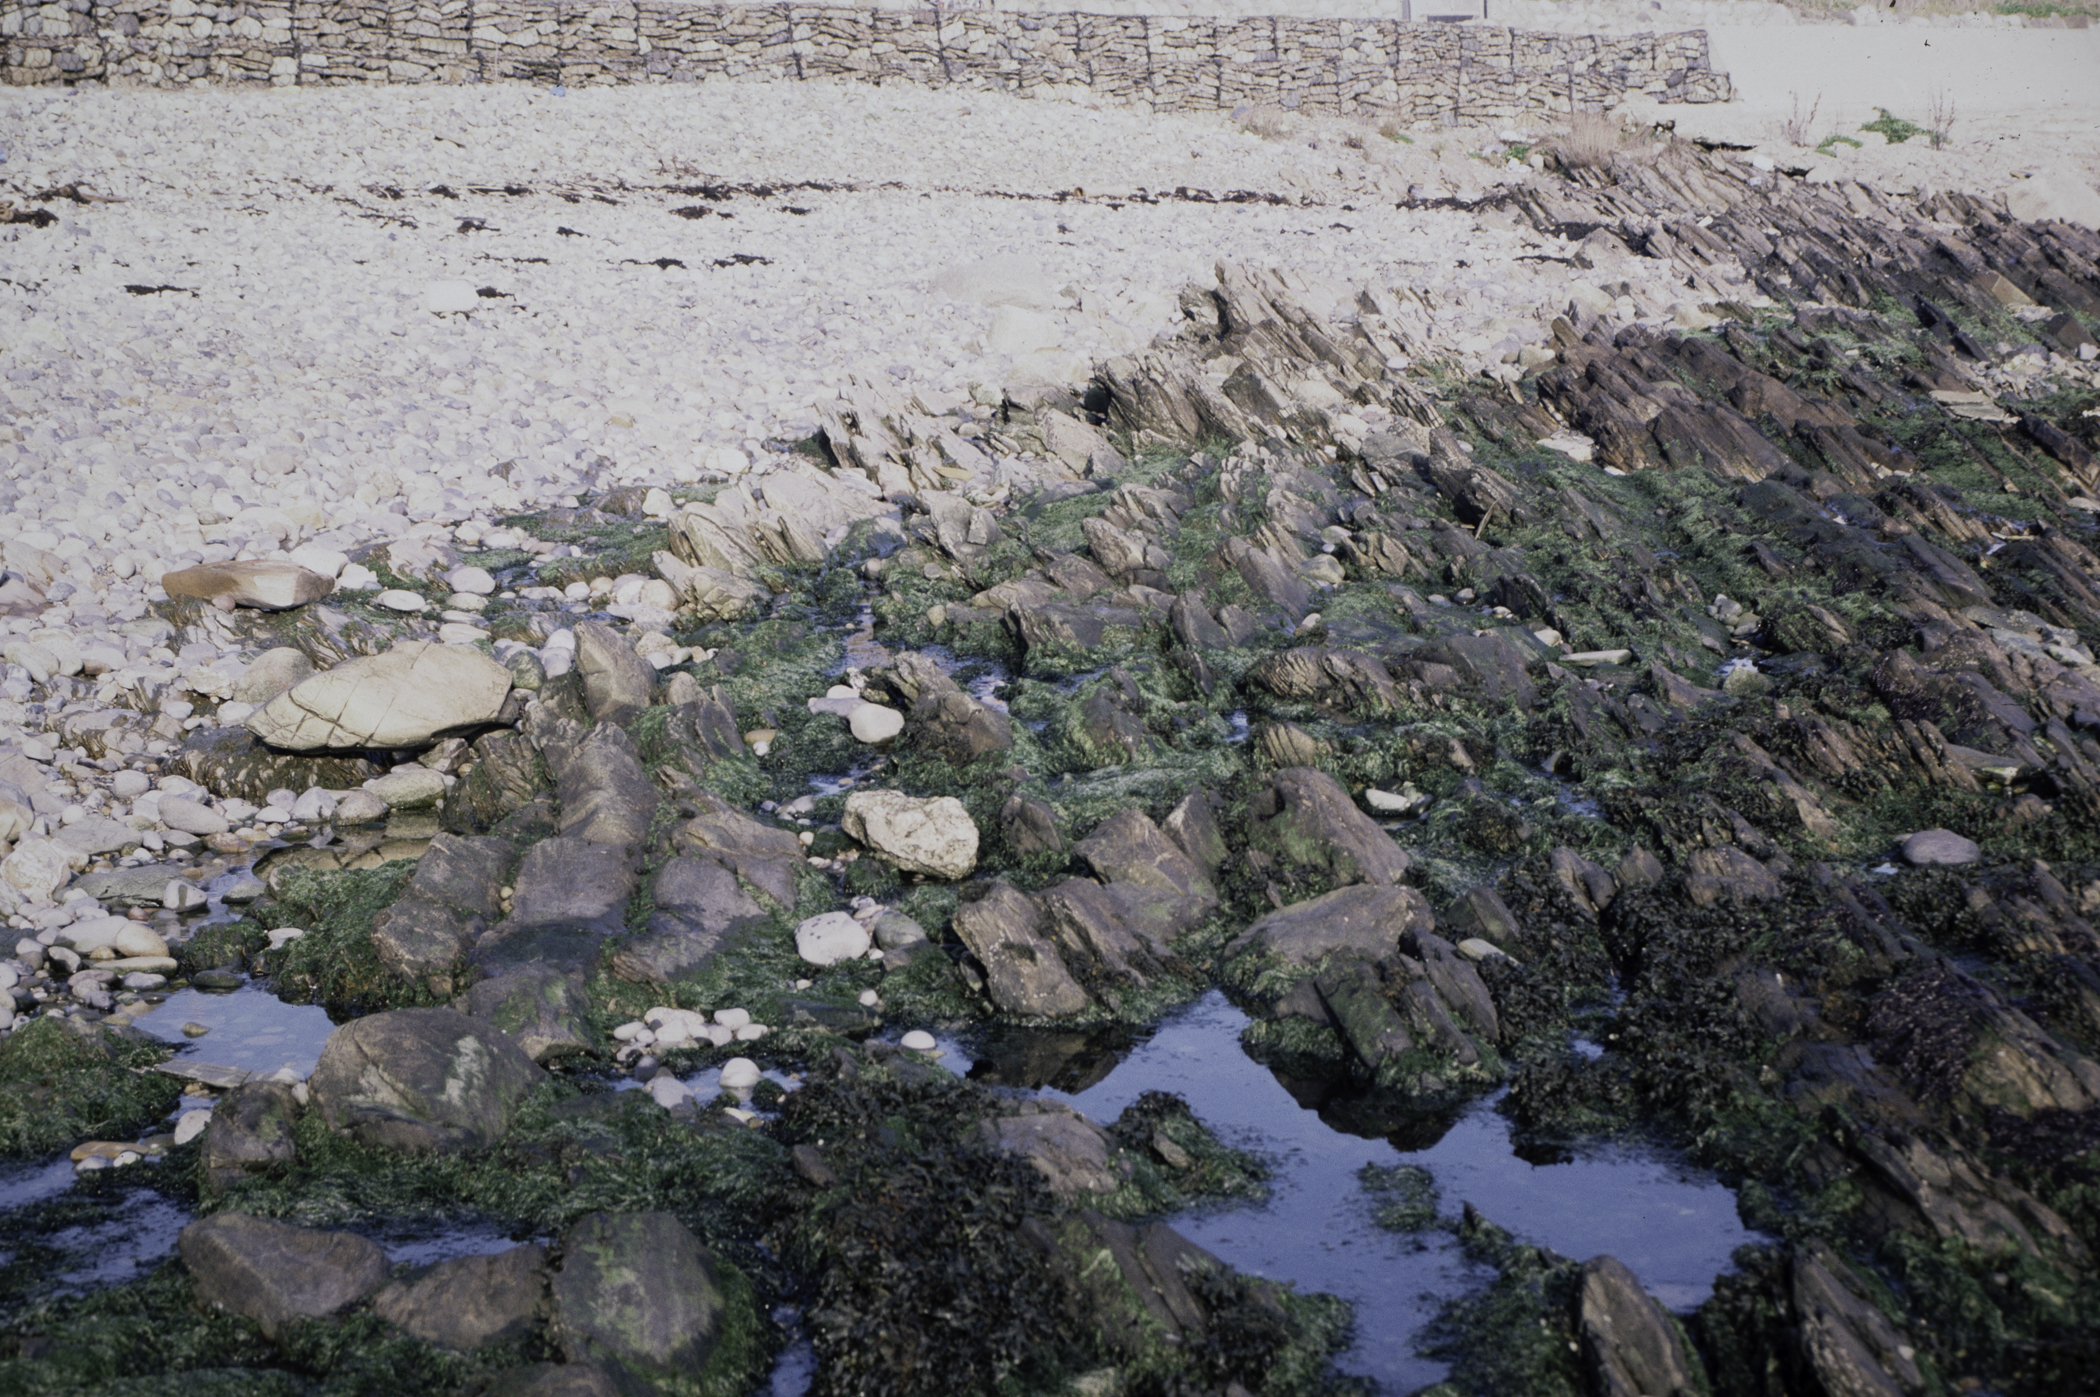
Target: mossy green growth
(568, 1153)
(221, 945)
(1404, 1196)
(336, 964)
(1176, 1161)
(63, 1082)
(1516, 1335)
(1895, 128)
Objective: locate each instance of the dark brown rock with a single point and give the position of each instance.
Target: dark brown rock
(471, 1302)
(277, 1274)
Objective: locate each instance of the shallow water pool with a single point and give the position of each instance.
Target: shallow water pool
(1673, 1226)
(251, 1029)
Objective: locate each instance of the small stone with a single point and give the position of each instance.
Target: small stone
(448, 297)
(129, 785)
(191, 1125)
(1940, 847)
(1475, 948)
(410, 787)
(1402, 802)
(740, 1074)
(359, 807)
(669, 1092)
(397, 599)
(732, 1019)
(138, 939)
(919, 1041)
(471, 580)
(831, 938)
(874, 723)
(195, 1030)
(191, 816)
(181, 895)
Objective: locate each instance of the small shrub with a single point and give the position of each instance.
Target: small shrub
(1267, 123)
(1893, 127)
(1798, 127)
(1590, 141)
(1939, 117)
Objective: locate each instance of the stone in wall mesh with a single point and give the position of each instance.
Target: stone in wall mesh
(1413, 72)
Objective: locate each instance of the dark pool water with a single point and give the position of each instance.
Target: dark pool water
(1673, 1226)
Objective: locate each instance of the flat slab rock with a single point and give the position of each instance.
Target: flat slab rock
(470, 1302)
(263, 585)
(275, 1273)
(407, 697)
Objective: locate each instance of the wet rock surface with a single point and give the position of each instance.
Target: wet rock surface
(1682, 726)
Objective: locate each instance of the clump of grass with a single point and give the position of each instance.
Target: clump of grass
(1589, 142)
(1265, 122)
(62, 1083)
(1833, 140)
(1894, 128)
(335, 964)
(1390, 129)
(1405, 1194)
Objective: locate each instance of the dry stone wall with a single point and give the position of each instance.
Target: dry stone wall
(1373, 67)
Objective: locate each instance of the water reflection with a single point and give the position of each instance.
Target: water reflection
(250, 1028)
(1676, 1229)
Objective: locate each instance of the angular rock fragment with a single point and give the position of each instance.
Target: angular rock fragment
(1024, 974)
(932, 836)
(637, 1295)
(1309, 820)
(1629, 1343)
(545, 1011)
(250, 1133)
(1363, 921)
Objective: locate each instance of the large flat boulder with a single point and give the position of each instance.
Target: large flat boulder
(422, 1080)
(637, 1295)
(408, 697)
(275, 1273)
